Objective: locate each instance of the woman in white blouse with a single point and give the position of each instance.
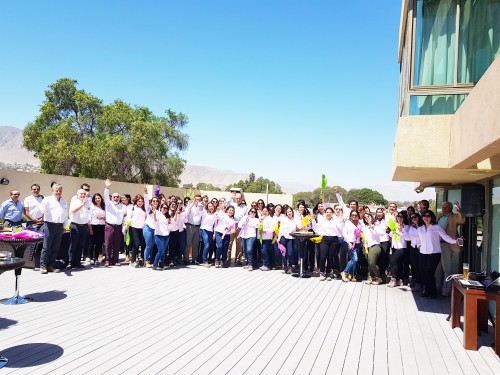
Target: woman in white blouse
(208, 219)
(162, 225)
(266, 233)
(430, 235)
(223, 229)
(330, 228)
(372, 234)
(398, 250)
(352, 243)
(249, 224)
(289, 224)
(96, 228)
(136, 215)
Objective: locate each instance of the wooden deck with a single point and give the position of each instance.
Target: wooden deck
(194, 320)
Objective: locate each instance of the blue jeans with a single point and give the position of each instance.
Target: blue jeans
(247, 245)
(222, 246)
(289, 245)
(161, 244)
(353, 259)
(267, 249)
(207, 238)
(149, 238)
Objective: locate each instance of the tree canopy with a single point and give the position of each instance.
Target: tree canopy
(363, 196)
(75, 134)
(259, 185)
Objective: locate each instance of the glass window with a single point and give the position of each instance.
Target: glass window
(435, 42)
(479, 38)
(435, 104)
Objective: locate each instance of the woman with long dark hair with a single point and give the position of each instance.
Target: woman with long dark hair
(148, 230)
(249, 224)
(330, 228)
(136, 215)
(385, 242)
(289, 224)
(372, 235)
(416, 265)
(96, 228)
(398, 250)
(223, 229)
(430, 235)
(352, 244)
(208, 219)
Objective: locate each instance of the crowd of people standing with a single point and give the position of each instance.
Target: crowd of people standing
(389, 246)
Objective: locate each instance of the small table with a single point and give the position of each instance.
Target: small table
(9, 265)
(475, 313)
(19, 245)
(302, 237)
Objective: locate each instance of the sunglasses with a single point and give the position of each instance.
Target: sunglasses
(414, 217)
(252, 212)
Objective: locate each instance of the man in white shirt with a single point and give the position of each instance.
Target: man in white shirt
(79, 228)
(55, 215)
(115, 212)
(32, 207)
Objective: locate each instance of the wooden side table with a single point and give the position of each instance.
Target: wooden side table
(475, 313)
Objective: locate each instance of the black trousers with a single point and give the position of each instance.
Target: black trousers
(137, 239)
(328, 248)
(429, 265)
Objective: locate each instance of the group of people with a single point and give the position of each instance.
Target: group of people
(350, 242)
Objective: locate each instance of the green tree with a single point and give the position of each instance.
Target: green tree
(260, 185)
(206, 186)
(313, 197)
(365, 196)
(75, 134)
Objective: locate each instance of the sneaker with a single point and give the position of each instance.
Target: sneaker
(127, 258)
(87, 259)
(400, 283)
(344, 276)
(92, 262)
(172, 265)
(133, 264)
(43, 271)
(250, 268)
(106, 264)
(329, 278)
(148, 264)
(322, 276)
(206, 265)
(377, 281)
(369, 280)
(264, 268)
(392, 283)
(353, 278)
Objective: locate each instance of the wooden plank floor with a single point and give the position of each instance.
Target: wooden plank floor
(194, 320)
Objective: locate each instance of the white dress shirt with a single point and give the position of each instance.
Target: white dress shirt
(136, 215)
(54, 210)
(208, 220)
(289, 225)
(32, 204)
(430, 239)
(325, 227)
(115, 212)
(82, 215)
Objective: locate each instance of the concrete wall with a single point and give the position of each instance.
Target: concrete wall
(22, 181)
(476, 124)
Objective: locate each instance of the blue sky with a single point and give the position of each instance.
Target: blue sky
(269, 86)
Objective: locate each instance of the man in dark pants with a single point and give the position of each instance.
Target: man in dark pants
(55, 215)
(115, 212)
(79, 228)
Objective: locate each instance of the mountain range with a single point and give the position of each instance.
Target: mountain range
(14, 156)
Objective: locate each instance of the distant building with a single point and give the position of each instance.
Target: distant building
(448, 131)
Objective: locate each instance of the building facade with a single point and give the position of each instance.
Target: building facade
(448, 131)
